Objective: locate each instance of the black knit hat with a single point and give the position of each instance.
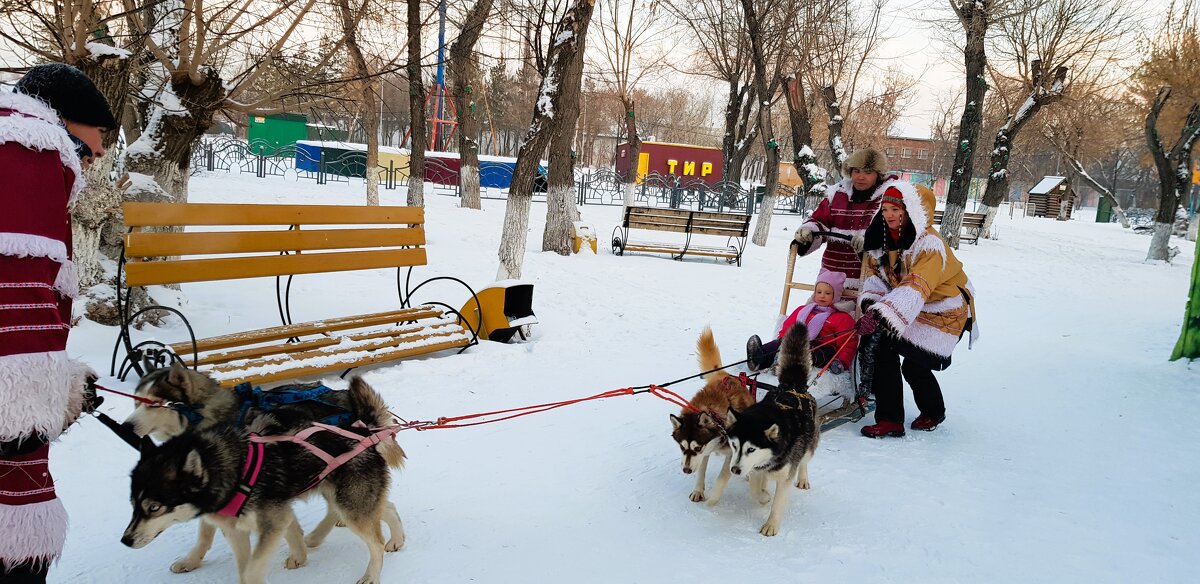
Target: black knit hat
(70, 93)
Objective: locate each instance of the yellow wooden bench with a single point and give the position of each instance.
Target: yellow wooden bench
(733, 226)
(283, 241)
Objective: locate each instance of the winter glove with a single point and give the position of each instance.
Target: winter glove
(868, 323)
(837, 368)
(804, 236)
(91, 401)
(857, 242)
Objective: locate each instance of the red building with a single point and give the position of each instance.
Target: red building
(682, 160)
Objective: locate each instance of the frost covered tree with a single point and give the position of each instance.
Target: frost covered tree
(800, 120)
(1035, 47)
(561, 210)
(833, 108)
(1174, 168)
(466, 81)
(416, 108)
(566, 42)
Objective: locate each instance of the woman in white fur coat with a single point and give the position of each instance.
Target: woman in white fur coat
(50, 130)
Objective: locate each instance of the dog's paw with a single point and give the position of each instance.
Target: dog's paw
(368, 580)
(394, 544)
(293, 562)
(185, 565)
(312, 541)
(762, 497)
(769, 529)
(803, 484)
(696, 496)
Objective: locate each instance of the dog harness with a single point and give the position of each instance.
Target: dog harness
(362, 443)
(266, 401)
(250, 472)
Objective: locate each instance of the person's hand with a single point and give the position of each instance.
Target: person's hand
(837, 368)
(857, 242)
(91, 401)
(804, 236)
(868, 323)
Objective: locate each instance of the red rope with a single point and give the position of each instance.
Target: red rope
(447, 422)
(137, 398)
(839, 350)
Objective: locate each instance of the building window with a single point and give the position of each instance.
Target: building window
(923, 153)
(889, 151)
(906, 153)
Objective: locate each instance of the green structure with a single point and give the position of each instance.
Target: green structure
(268, 134)
(1188, 346)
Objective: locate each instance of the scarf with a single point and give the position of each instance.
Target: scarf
(819, 315)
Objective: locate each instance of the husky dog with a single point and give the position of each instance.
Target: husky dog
(700, 434)
(197, 474)
(776, 437)
(215, 405)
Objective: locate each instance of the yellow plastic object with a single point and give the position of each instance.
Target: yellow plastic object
(583, 232)
(492, 300)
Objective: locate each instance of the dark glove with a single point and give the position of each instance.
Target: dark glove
(823, 354)
(837, 368)
(868, 323)
(91, 401)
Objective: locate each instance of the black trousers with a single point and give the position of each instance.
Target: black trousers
(24, 573)
(889, 390)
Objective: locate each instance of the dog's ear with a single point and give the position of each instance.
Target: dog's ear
(731, 416)
(772, 433)
(707, 421)
(178, 375)
(676, 421)
(193, 465)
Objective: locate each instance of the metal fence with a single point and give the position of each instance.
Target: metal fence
(594, 187)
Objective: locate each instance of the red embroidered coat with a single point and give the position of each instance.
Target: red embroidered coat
(40, 387)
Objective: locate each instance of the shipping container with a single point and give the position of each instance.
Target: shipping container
(682, 160)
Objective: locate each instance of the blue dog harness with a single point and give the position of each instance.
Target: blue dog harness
(265, 401)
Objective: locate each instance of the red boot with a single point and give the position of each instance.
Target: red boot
(883, 429)
(926, 423)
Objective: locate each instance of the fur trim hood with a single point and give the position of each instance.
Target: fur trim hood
(919, 203)
(38, 127)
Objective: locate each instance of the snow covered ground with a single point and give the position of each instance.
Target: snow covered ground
(1066, 455)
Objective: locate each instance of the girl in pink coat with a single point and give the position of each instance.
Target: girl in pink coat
(827, 329)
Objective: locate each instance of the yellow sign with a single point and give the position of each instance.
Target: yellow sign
(1196, 173)
(689, 167)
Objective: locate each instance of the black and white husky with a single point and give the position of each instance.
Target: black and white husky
(202, 473)
(775, 438)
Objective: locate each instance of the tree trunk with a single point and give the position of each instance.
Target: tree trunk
(635, 147)
(803, 157)
(762, 94)
(998, 175)
(416, 108)
(975, 18)
(837, 147)
(464, 75)
(567, 42)
(561, 210)
(1174, 171)
(369, 106)
(1104, 192)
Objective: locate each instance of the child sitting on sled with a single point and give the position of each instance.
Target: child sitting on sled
(828, 330)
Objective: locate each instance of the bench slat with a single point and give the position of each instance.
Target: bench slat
(149, 244)
(279, 333)
(219, 357)
(181, 214)
(205, 270)
(302, 369)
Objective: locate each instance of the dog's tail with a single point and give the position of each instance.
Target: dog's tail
(795, 359)
(368, 406)
(709, 354)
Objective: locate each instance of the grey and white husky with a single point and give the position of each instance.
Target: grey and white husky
(214, 405)
(197, 473)
(775, 438)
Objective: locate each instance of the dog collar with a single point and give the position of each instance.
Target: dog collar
(250, 472)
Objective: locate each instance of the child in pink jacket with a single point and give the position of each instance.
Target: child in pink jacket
(827, 329)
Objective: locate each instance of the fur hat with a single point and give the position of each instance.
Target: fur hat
(70, 93)
(867, 159)
(836, 280)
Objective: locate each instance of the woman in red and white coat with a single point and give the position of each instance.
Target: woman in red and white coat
(50, 130)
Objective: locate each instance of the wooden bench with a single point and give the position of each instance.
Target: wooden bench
(305, 239)
(972, 225)
(732, 226)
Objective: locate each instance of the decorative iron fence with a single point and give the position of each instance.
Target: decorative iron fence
(594, 187)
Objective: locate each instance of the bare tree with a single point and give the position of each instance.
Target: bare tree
(800, 120)
(975, 16)
(367, 85)
(1174, 168)
(1041, 41)
(561, 210)
(464, 74)
(627, 33)
(567, 42)
(416, 108)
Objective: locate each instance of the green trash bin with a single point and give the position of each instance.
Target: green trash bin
(1104, 210)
